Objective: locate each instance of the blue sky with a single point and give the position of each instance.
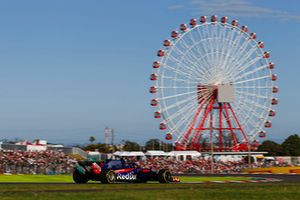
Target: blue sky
(69, 68)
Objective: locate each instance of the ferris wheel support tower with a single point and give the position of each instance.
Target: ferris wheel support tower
(219, 105)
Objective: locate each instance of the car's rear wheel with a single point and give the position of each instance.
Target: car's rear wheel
(79, 177)
(108, 176)
(164, 176)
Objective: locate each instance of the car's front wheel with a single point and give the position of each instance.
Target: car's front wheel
(108, 176)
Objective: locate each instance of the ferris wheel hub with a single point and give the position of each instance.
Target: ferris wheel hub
(222, 93)
(225, 93)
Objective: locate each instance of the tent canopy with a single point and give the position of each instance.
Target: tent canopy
(156, 153)
(185, 153)
(127, 153)
(136, 153)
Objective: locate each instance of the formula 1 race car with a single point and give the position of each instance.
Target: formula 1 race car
(112, 171)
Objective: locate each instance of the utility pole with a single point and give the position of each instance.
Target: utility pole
(249, 154)
(211, 143)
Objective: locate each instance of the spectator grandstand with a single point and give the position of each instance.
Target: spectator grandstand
(201, 165)
(35, 162)
(59, 161)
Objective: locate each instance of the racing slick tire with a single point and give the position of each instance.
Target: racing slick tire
(79, 177)
(108, 176)
(164, 176)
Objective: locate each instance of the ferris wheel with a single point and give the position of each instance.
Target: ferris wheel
(213, 83)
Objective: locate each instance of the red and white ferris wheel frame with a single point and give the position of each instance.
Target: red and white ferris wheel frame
(207, 54)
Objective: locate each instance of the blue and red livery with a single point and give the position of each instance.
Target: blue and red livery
(112, 171)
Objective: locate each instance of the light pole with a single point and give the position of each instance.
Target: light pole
(249, 154)
(211, 143)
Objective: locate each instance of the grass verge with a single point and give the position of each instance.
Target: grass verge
(68, 179)
(270, 191)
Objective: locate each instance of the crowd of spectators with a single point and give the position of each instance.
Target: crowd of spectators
(36, 162)
(57, 162)
(201, 165)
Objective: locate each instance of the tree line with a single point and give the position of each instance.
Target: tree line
(127, 145)
(289, 147)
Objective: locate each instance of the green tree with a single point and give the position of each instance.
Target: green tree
(153, 144)
(131, 146)
(273, 148)
(92, 139)
(291, 146)
(167, 147)
(103, 148)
